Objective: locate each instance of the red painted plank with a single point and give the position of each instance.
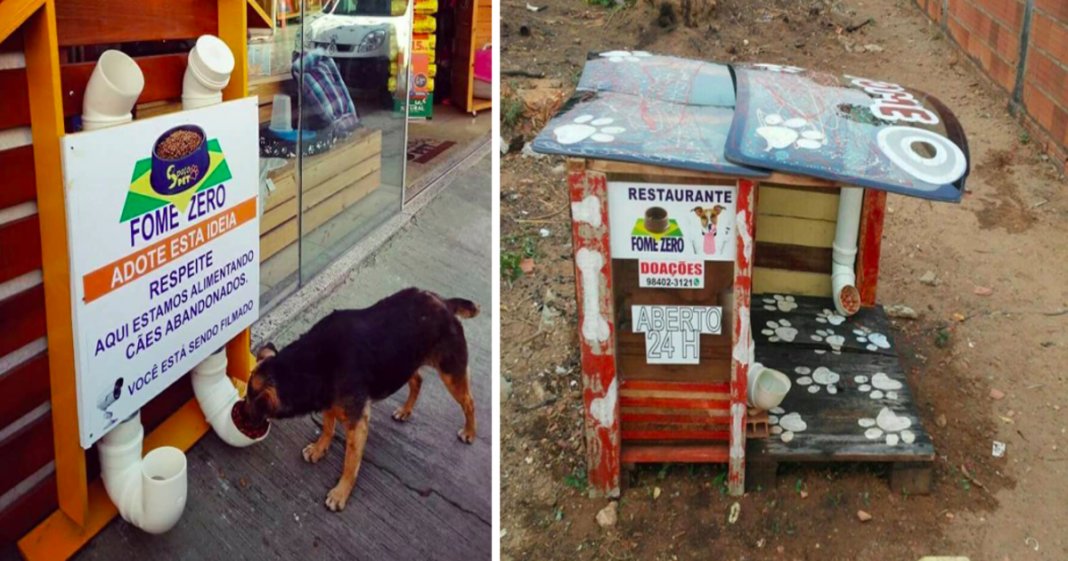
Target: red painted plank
(20, 179)
(673, 419)
(15, 109)
(28, 510)
(20, 247)
(25, 452)
(714, 454)
(676, 435)
(627, 401)
(163, 80)
(593, 287)
(22, 319)
(23, 388)
(673, 386)
(743, 335)
(872, 216)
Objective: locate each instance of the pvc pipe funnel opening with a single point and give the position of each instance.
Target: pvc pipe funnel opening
(163, 465)
(767, 387)
(212, 61)
(113, 89)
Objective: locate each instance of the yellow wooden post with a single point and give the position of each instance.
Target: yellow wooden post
(46, 122)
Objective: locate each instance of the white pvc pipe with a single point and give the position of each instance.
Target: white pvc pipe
(844, 254)
(113, 89)
(217, 396)
(767, 386)
(207, 72)
(149, 492)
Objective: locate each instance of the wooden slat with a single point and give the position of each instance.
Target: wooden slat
(819, 204)
(782, 281)
(15, 109)
(20, 182)
(638, 454)
(796, 231)
(25, 452)
(28, 510)
(771, 255)
(278, 239)
(96, 22)
(666, 435)
(23, 388)
(22, 319)
(20, 247)
(673, 386)
(705, 404)
(741, 333)
(13, 13)
(871, 237)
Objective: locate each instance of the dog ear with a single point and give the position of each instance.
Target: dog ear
(265, 352)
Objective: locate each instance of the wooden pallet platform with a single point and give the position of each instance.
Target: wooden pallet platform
(839, 417)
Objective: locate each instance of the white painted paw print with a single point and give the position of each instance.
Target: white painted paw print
(894, 427)
(780, 331)
(830, 316)
(873, 341)
(784, 424)
(625, 56)
(878, 386)
(586, 126)
(780, 303)
(779, 68)
(831, 338)
(822, 377)
(797, 132)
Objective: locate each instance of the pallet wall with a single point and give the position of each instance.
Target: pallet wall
(1022, 46)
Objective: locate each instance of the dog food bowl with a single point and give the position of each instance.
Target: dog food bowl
(180, 160)
(245, 425)
(656, 220)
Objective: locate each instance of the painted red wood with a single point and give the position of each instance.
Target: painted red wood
(23, 388)
(96, 22)
(16, 105)
(28, 510)
(163, 80)
(20, 179)
(629, 435)
(20, 247)
(665, 402)
(668, 419)
(871, 236)
(593, 287)
(22, 319)
(742, 332)
(26, 451)
(673, 386)
(675, 454)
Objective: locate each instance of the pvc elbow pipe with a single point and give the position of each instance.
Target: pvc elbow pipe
(113, 89)
(149, 492)
(217, 396)
(767, 386)
(207, 72)
(844, 252)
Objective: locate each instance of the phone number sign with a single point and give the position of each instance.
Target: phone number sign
(673, 333)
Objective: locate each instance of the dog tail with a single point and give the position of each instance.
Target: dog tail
(462, 308)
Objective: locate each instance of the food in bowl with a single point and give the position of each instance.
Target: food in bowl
(180, 160)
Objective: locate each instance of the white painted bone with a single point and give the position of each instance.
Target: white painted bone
(594, 325)
(588, 211)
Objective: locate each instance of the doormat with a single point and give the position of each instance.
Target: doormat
(422, 150)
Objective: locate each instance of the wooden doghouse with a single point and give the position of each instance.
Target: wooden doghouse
(748, 178)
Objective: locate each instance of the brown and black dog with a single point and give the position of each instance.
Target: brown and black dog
(351, 358)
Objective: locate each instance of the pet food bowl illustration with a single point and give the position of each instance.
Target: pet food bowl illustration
(656, 220)
(180, 160)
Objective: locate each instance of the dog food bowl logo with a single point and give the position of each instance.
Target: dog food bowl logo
(656, 231)
(183, 162)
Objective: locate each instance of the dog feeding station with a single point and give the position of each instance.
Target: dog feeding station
(727, 222)
(135, 261)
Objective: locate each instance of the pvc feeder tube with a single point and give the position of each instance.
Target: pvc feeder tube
(113, 89)
(149, 492)
(844, 252)
(217, 397)
(767, 386)
(207, 72)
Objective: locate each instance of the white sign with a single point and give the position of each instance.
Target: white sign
(671, 229)
(163, 228)
(673, 333)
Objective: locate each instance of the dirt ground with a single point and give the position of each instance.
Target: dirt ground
(1007, 235)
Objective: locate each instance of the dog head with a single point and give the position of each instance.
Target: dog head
(261, 399)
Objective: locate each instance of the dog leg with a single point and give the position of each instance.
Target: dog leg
(355, 439)
(316, 450)
(404, 412)
(460, 388)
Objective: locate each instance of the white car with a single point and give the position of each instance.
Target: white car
(362, 37)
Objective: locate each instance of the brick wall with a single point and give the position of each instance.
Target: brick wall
(990, 31)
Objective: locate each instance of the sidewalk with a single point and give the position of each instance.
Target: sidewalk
(421, 494)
